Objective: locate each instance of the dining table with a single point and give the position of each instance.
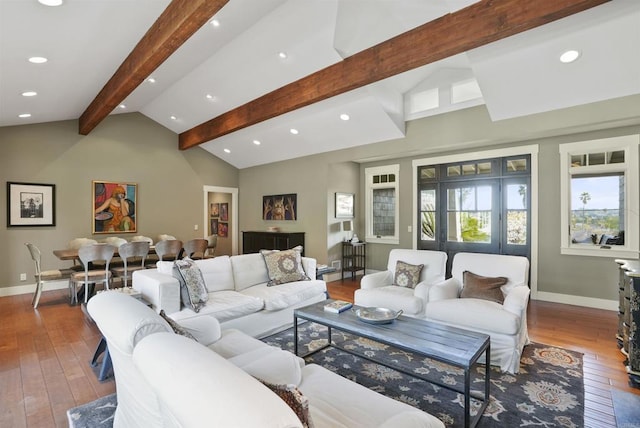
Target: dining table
(72, 253)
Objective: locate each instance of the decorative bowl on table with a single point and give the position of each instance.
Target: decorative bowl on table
(374, 315)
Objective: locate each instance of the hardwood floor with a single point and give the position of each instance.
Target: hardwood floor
(45, 354)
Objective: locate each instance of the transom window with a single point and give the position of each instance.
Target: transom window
(382, 208)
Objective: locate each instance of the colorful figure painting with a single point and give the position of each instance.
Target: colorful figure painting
(114, 207)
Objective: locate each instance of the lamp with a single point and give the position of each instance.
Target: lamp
(347, 226)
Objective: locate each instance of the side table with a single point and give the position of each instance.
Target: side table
(354, 258)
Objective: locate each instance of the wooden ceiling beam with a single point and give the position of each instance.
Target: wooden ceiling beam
(477, 25)
(179, 21)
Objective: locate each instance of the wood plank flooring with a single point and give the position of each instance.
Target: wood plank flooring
(45, 354)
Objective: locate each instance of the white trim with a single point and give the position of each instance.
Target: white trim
(30, 288)
(628, 143)
(531, 150)
(234, 212)
(567, 299)
(369, 187)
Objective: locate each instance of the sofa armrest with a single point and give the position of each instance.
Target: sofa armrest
(376, 280)
(447, 289)
(162, 291)
(517, 300)
(309, 265)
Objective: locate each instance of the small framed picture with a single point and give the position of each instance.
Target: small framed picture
(215, 210)
(223, 230)
(344, 205)
(31, 204)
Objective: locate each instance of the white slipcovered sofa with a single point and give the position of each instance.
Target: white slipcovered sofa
(167, 380)
(378, 289)
(505, 322)
(238, 293)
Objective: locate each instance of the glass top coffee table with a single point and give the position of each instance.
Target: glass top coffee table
(450, 345)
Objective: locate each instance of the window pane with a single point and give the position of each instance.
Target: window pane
(453, 171)
(384, 211)
(517, 227)
(616, 157)
(597, 208)
(469, 169)
(596, 158)
(428, 215)
(429, 172)
(515, 165)
(484, 168)
(470, 223)
(516, 196)
(578, 160)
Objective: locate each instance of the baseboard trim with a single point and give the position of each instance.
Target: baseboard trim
(567, 299)
(30, 288)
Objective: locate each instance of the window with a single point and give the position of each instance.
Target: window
(599, 197)
(475, 205)
(382, 186)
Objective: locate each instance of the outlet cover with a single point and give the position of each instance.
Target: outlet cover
(335, 264)
(23, 277)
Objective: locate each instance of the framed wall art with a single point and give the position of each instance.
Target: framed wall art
(223, 230)
(31, 204)
(224, 211)
(114, 207)
(344, 205)
(280, 207)
(215, 210)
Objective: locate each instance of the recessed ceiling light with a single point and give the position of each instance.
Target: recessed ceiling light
(282, 55)
(24, 115)
(122, 106)
(38, 59)
(173, 118)
(344, 116)
(569, 56)
(50, 2)
(29, 94)
(256, 142)
(210, 97)
(215, 22)
(151, 80)
(294, 131)
(227, 151)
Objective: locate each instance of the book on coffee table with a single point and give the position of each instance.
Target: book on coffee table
(337, 306)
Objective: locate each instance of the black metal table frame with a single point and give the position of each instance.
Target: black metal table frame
(468, 421)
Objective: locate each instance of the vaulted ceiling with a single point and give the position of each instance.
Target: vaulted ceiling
(225, 86)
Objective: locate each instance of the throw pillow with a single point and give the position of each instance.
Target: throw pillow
(284, 266)
(177, 328)
(482, 287)
(294, 398)
(193, 290)
(407, 275)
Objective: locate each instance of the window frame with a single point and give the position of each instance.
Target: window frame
(629, 144)
(369, 188)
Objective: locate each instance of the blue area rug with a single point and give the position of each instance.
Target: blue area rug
(626, 407)
(96, 414)
(548, 391)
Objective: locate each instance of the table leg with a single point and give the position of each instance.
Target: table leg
(467, 398)
(295, 335)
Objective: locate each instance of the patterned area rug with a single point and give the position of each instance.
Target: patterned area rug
(547, 392)
(97, 414)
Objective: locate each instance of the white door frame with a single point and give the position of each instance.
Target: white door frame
(234, 212)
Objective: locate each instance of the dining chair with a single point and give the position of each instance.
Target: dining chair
(44, 276)
(195, 248)
(212, 242)
(169, 249)
(136, 252)
(90, 276)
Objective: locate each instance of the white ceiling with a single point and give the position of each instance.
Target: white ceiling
(86, 40)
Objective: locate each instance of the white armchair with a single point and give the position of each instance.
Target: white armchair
(506, 322)
(378, 289)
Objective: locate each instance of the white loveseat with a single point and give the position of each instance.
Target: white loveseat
(166, 380)
(238, 293)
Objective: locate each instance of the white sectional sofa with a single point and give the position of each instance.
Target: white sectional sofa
(167, 380)
(238, 293)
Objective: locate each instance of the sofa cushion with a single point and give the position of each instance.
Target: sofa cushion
(284, 266)
(286, 295)
(271, 364)
(295, 399)
(407, 275)
(177, 329)
(248, 270)
(394, 297)
(193, 291)
(475, 314)
(224, 305)
(482, 287)
(217, 273)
